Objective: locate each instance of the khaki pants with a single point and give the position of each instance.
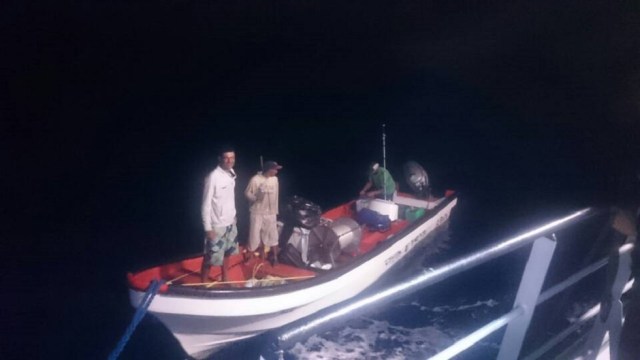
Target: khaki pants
(262, 228)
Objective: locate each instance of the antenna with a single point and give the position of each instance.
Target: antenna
(261, 163)
(384, 147)
(384, 160)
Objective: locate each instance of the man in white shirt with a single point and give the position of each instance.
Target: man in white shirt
(219, 215)
(262, 193)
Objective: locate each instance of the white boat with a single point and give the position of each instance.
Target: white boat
(260, 297)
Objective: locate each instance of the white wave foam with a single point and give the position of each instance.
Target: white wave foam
(372, 339)
(445, 308)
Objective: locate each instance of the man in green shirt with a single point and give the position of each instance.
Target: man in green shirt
(382, 183)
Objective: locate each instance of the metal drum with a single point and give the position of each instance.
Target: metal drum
(327, 241)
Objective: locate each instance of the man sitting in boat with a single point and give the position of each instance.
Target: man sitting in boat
(262, 193)
(381, 181)
(219, 215)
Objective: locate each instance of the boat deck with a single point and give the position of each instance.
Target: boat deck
(187, 272)
(253, 271)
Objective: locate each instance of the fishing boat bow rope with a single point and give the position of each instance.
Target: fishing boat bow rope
(151, 292)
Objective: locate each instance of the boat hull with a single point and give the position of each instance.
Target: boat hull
(204, 324)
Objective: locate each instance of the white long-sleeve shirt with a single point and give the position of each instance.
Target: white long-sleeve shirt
(218, 200)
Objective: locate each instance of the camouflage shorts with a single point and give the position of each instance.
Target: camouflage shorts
(223, 245)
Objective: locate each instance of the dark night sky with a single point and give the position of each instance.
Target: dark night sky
(87, 75)
(104, 93)
(112, 109)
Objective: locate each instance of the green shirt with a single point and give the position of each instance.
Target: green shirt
(382, 179)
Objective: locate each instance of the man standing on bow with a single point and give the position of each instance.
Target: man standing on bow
(262, 193)
(219, 215)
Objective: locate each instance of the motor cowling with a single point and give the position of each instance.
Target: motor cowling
(417, 179)
(304, 213)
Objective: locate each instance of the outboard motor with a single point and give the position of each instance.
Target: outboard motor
(417, 179)
(300, 216)
(305, 213)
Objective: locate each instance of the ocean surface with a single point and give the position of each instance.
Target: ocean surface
(138, 221)
(115, 110)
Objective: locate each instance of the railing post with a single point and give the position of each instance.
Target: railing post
(611, 314)
(530, 285)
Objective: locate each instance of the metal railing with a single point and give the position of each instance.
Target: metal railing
(529, 294)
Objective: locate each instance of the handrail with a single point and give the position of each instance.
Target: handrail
(478, 335)
(571, 280)
(588, 315)
(522, 310)
(503, 247)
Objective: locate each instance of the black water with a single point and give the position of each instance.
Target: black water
(114, 111)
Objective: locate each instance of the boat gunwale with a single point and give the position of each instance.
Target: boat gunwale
(323, 276)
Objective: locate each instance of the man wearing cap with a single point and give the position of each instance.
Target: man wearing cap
(381, 181)
(262, 193)
(219, 215)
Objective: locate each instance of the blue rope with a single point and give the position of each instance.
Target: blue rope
(137, 317)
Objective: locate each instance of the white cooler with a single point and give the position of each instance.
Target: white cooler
(384, 207)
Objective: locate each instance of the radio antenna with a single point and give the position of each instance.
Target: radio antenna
(261, 163)
(384, 160)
